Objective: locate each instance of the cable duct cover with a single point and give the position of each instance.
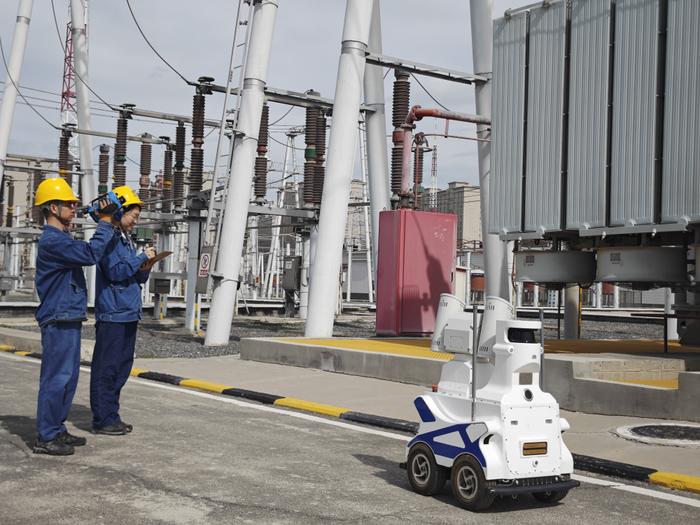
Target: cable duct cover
(642, 264)
(555, 267)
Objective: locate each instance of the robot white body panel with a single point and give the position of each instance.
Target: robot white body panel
(512, 443)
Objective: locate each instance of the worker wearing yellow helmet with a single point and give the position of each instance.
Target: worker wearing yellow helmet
(62, 290)
(120, 275)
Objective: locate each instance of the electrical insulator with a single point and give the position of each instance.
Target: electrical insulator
(103, 170)
(260, 186)
(37, 215)
(145, 171)
(119, 171)
(166, 204)
(320, 170)
(417, 174)
(65, 164)
(179, 173)
(400, 107)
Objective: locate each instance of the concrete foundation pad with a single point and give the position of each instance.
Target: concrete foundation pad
(581, 382)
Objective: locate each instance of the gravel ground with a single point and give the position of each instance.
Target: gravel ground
(169, 338)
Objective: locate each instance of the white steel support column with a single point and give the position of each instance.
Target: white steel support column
(495, 251)
(375, 129)
(572, 312)
(671, 323)
(599, 295)
(228, 262)
(191, 299)
(14, 66)
(339, 167)
(369, 238)
(88, 185)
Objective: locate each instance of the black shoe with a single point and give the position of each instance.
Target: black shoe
(127, 426)
(70, 439)
(110, 430)
(55, 447)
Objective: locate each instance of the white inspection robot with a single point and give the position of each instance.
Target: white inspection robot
(494, 432)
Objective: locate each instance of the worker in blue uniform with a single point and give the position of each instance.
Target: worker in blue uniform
(62, 290)
(120, 274)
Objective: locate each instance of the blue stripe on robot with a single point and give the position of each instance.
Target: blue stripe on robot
(423, 411)
(451, 451)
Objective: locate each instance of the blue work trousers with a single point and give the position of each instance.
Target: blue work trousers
(58, 379)
(111, 366)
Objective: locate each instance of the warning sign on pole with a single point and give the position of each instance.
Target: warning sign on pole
(204, 261)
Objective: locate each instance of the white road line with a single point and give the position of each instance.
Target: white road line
(308, 417)
(638, 490)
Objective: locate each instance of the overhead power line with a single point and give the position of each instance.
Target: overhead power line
(12, 80)
(428, 93)
(128, 4)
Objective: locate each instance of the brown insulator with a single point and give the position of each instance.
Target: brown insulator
(309, 170)
(198, 103)
(166, 204)
(9, 221)
(319, 176)
(320, 170)
(145, 171)
(401, 99)
(417, 175)
(179, 168)
(311, 121)
(263, 135)
(119, 171)
(396, 166)
(65, 164)
(37, 215)
(196, 170)
(103, 170)
(321, 136)
(260, 178)
(417, 168)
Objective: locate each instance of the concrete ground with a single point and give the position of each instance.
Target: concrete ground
(590, 434)
(198, 458)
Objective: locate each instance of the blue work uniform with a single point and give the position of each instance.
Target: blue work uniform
(62, 290)
(117, 311)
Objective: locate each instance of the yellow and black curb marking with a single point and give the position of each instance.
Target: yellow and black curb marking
(585, 463)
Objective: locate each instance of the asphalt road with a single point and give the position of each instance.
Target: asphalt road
(199, 458)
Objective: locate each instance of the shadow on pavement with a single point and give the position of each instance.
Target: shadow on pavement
(22, 426)
(390, 472)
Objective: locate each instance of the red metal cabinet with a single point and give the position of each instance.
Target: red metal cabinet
(416, 263)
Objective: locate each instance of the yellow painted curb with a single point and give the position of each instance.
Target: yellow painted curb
(7, 348)
(310, 406)
(676, 481)
(671, 384)
(22, 353)
(136, 371)
(204, 385)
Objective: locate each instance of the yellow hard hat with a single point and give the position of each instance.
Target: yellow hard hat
(56, 189)
(127, 196)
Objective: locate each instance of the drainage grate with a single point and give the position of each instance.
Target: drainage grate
(683, 432)
(669, 434)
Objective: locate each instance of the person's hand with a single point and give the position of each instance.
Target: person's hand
(150, 252)
(105, 209)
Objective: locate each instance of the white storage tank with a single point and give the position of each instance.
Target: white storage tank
(555, 267)
(642, 264)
